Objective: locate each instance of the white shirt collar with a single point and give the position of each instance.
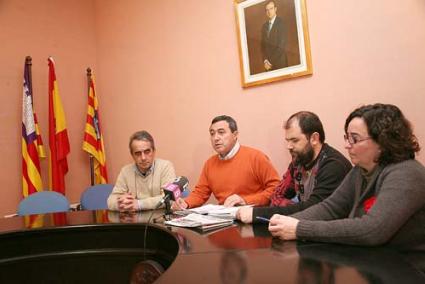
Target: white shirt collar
(232, 152)
(272, 21)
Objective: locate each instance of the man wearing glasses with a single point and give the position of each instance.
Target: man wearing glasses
(315, 172)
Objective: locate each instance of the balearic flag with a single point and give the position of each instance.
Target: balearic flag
(58, 135)
(32, 145)
(93, 138)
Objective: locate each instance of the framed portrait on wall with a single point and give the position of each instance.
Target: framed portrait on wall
(273, 40)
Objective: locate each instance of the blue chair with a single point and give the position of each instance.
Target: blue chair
(43, 202)
(95, 197)
(185, 193)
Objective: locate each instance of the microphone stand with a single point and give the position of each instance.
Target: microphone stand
(168, 213)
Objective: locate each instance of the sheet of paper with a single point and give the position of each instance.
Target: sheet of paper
(198, 220)
(205, 209)
(226, 212)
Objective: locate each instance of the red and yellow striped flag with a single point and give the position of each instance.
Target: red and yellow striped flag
(93, 138)
(32, 145)
(58, 135)
(34, 221)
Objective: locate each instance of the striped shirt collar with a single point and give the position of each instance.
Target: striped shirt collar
(148, 172)
(231, 153)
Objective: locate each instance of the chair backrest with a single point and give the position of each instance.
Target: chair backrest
(43, 202)
(185, 193)
(95, 197)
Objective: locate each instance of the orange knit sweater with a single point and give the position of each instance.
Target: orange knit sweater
(249, 174)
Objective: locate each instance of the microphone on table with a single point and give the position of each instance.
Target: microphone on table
(173, 190)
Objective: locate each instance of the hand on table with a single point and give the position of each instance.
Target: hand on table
(233, 200)
(244, 214)
(283, 227)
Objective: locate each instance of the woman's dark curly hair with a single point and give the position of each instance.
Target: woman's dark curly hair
(388, 127)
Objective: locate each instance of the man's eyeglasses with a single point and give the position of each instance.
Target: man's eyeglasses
(354, 139)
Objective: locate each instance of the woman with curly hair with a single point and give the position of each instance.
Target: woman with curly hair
(381, 200)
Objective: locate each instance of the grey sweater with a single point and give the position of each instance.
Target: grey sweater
(397, 217)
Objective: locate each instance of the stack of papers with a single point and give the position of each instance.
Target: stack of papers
(225, 212)
(205, 209)
(220, 211)
(203, 222)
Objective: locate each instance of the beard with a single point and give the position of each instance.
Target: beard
(305, 157)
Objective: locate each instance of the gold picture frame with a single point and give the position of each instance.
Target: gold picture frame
(273, 40)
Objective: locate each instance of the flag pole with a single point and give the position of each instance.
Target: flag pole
(28, 62)
(90, 156)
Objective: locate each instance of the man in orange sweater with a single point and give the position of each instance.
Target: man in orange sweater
(238, 175)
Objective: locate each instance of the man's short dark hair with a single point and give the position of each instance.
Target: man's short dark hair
(271, 1)
(142, 135)
(309, 123)
(232, 123)
(390, 129)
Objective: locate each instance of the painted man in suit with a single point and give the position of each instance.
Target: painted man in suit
(273, 40)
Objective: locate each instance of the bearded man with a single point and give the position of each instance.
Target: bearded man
(315, 171)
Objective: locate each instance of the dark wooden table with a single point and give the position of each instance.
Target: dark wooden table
(108, 247)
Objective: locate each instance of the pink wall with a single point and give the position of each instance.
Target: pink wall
(169, 66)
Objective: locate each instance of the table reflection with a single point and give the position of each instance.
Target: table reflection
(328, 263)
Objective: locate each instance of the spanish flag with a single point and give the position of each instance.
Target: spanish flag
(93, 139)
(58, 136)
(32, 145)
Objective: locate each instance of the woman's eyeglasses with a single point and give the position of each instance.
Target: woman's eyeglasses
(354, 139)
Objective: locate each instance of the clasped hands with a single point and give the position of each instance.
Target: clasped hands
(127, 202)
(267, 65)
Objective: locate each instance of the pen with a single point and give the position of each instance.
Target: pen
(265, 220)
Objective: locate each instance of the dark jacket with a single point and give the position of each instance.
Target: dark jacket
(333, 167)
(273, 44)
